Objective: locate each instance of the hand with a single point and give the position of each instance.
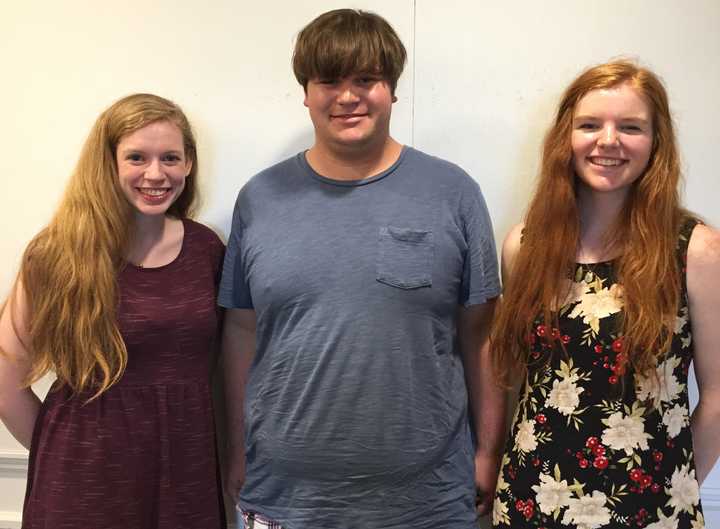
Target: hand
(486, 476)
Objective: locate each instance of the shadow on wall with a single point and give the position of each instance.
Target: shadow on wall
(221, 189)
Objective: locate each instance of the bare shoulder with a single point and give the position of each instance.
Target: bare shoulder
(703, 260)
(704, 246)
(14, 318)
(511, 246)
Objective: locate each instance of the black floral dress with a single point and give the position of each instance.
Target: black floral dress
(582, 452)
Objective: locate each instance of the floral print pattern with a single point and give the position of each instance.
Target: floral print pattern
(593, 444)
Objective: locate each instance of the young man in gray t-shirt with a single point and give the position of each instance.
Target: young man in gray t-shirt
(360, 279)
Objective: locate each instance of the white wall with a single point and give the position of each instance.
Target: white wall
(479, 89)
(489, 74)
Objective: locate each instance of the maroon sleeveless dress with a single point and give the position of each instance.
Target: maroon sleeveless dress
(143, 454)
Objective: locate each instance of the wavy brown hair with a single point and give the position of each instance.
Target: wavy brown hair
(68, 272)
(644, 236)
(347, 41)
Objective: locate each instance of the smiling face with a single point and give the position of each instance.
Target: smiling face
(612, 139)
(353, 112)
(152, 167)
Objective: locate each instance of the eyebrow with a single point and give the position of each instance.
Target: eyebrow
(634, 119)
(133, 149)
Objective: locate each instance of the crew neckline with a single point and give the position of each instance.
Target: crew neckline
(141, 268)
(302, 160)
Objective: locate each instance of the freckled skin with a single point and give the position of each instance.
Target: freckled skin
(611, 139)
(150, 158)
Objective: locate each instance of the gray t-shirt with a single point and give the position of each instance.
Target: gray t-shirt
(356, 408)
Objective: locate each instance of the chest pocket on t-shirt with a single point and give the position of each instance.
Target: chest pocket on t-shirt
(405, 257)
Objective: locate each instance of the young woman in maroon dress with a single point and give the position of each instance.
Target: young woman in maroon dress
(116, 297)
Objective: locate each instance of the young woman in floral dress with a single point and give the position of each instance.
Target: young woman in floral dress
(602, 282)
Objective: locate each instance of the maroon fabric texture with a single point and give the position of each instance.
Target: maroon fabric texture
(143, 454)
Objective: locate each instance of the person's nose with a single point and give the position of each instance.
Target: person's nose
(155, 170)
(348, 94)
(608, 136)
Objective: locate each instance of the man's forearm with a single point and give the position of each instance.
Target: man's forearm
(487, 401)
(238, 350)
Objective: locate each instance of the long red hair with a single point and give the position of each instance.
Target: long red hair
(644, 235)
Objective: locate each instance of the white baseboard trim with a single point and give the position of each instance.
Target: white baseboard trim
(10, 520)
(13, 463)
(710, 497)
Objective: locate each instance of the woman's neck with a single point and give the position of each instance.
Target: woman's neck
(156, 241)
(599, 213)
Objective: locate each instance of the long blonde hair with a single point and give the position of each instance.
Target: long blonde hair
(645, 235)
(69, 270)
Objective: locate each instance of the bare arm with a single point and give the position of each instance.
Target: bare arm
(238, 350)
(19, 406)
(487, 400)
(511, 246)
(703, 281)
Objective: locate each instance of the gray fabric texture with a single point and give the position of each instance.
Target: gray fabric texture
(356, 406)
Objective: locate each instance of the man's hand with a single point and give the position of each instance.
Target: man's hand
(487, 400)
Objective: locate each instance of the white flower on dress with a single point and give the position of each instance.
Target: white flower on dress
(525, 438)
(594, 306)
(551, 494)
(662, 386)
(685, 342)
(575, 291)
(587, 512)
(681, 321)
(625, 432)
(684, 490)
(565, 395)
(699, 521)
(500, 512)
(676, 418)
(669, 522)
(501, 483)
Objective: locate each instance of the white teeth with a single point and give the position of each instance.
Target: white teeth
(153, 191)
(608, 162)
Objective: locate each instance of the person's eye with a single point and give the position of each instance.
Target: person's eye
(584, 125)
(172, 158)
(633, 129)
(135, 157)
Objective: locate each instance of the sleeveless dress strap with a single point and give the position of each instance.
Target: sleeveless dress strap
(686, 229)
